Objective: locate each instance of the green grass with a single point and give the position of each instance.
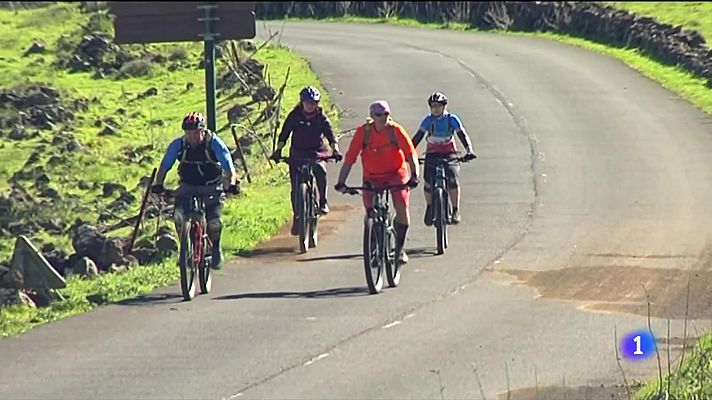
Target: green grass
(248, 219)
(108, 287)
(691, 15)
(691, 381)
(676, 79)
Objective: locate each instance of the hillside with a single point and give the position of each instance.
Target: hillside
(84, 122)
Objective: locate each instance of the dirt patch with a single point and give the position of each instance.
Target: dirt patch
(676, 343)
(643, 257)
(284, 245)
(561, 393)
(620, 289)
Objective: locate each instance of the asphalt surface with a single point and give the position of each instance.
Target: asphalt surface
(584, 165)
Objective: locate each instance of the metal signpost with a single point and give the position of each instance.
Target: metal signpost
(174, 21)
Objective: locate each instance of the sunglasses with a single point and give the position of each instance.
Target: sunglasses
(380, 114)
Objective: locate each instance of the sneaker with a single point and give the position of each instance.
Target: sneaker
(324, 209)
(428, 219)
(455, 216)
(217, 258)
(403, 257)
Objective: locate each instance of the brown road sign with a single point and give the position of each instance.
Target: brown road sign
(153, 22)
(182, 28)
(159, 8)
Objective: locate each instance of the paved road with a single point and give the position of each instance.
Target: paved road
(592, 181)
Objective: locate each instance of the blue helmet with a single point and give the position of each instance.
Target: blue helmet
(310, 93)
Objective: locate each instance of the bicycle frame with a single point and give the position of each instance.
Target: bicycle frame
(378, 225)
(381, 208)
(305, 199)
(196, 214)
(440, 179)
(195, 244)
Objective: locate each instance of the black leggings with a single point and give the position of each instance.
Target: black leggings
(319, 170)
(451, 171)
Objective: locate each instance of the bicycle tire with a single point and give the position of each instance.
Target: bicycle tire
(439, 220)
(393, 266)
(205, 276)
(186, 265)
(302, 218)
(448, 217)
(371, 260)
(313, 220)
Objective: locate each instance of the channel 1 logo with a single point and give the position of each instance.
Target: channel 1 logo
(637, 345)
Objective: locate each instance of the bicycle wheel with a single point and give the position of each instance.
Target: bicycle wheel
(302, 219)
(372, 263)
(186, 264)
(205, 277)
(440, 216)
(393, 266)
(313, 220)
(448, 216)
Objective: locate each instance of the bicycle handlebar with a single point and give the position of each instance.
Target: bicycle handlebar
(442, 160)
(199, 192)
(309, 159)
(354, 189)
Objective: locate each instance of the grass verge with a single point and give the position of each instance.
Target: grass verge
(149, 124)
(691, 15)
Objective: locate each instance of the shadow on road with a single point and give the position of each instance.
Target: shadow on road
(317, 294)
(335, 257)
(267, 251)
(414, 253)
(153, 299)
(421, 252)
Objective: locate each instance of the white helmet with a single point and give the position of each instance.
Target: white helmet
(437, 97)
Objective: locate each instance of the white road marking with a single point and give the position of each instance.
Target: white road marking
(392, 324)
(317, 358)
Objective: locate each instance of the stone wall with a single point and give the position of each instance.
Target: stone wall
(590, 20)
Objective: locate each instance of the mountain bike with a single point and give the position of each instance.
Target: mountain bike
(440, 199)
(379, 252)
(306, 200)
(195, 248)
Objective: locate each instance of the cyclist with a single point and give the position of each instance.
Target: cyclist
(440, 127)
(385, 148)
(201, 154)
(309, 125)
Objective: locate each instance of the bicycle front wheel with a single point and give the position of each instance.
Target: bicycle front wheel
(302, 212)
(205, 277)
(186, 263)
(440, 223)
(393, 266)
(313, 220)
(372, 262)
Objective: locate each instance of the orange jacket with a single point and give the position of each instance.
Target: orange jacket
(380, 158)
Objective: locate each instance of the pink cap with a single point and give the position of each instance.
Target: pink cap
(379, 107)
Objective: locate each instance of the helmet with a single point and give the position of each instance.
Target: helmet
(437, 97)
(310, 93)
(192, 121)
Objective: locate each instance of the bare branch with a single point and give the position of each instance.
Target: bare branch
(687, 309)
(657, 351)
